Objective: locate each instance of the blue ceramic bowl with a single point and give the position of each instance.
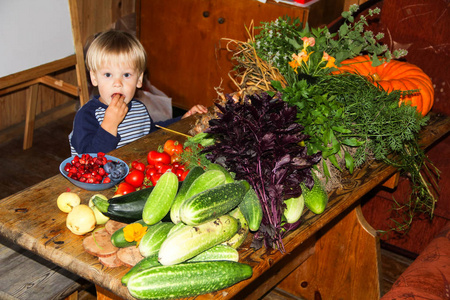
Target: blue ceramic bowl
(93, 186)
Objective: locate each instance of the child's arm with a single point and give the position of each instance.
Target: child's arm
(114, 114)
(196, 109)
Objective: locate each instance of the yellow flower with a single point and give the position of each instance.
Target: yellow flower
(298, 59)
(134, 232)
(329, 59)
(308, 41)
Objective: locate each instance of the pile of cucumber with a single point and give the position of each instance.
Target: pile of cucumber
(193, 231)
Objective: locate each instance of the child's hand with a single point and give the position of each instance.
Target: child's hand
(114, 114)
(196, 109)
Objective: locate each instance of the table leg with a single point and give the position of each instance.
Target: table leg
(346, 263)
(104, 294)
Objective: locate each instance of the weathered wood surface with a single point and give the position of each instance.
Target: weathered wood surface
(32, 220)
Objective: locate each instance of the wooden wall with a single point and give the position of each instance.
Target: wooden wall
(95, 16)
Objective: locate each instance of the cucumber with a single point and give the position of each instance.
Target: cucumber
(218, 252)
(118, 237)
(240, 236)
(189, 241)
(161, 198)
(145, 263)
(155, 236)
(126, 208)
(193, 174)
(205, 181)
(316, 199)
(212, 203)
(188, 279)
(228, 177)
(294, 209)
(251, 209)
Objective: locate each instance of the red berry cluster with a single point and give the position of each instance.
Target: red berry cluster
(89, 169)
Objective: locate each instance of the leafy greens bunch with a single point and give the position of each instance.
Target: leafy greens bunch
(260, 141)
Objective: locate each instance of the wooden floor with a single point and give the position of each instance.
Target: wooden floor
(23, 168)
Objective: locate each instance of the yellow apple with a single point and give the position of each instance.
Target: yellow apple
(81, 220)
(67, 201)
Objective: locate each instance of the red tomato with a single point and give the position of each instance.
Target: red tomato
(178, 172)
(135, 178)
(165, 168)
(172, 147)
(150, 172)
(124, 188)
(183, 176)
(138, 166)
(154, 156)
(154, 179)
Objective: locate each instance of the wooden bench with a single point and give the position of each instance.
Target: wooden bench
(26, 276)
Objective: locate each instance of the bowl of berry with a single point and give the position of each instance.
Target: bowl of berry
(94, 171)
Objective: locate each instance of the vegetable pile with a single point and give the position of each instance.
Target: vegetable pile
(181, 240)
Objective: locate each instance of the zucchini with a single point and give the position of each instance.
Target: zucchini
(161, 198)
(218, 252)
(251, 209)
(243, 231)
(316, 199)
(126, 208)
(118, 237)
(294, 209)
(145, 263)
(189, 241)
(188, 279)
(193, 174)
(153, 238)
(205, 181)
(212, 203)
(228, 177)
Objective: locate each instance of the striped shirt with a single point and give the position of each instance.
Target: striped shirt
(89, 137)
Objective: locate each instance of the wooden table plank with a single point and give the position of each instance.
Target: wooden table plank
(32, 220)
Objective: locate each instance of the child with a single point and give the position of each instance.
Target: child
(116, 61)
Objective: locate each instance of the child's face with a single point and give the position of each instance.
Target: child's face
(116, 78)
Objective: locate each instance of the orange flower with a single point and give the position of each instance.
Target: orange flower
(329, 59)
(134, 232)
(308, 41)
(298, 59)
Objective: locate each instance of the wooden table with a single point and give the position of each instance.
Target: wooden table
(332, 255)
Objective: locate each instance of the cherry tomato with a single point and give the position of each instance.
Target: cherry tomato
(165, 168)
(183, 176)
(178, 172)
(172, 147)
(138, 166)
(154, 179)
(154, 156)
(175, 158)
(124, 188)
(135, 178)
(150, 172)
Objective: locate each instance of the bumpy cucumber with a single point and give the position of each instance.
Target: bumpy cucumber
(294, 209)
(193, 174)
(316, 199)
(205, 181)
(155, 236)
(189, 241)
(185, 280)
(161, 198)
(251, 209)
(145, 263)
(228, 177)
(218, 252)
(240, 236)
(211, 203)
(118, 237)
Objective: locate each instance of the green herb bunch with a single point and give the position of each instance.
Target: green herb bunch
(278, 40)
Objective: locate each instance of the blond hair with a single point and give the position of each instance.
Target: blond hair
(114, 46)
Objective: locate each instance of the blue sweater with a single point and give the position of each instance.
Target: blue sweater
(88, 136)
